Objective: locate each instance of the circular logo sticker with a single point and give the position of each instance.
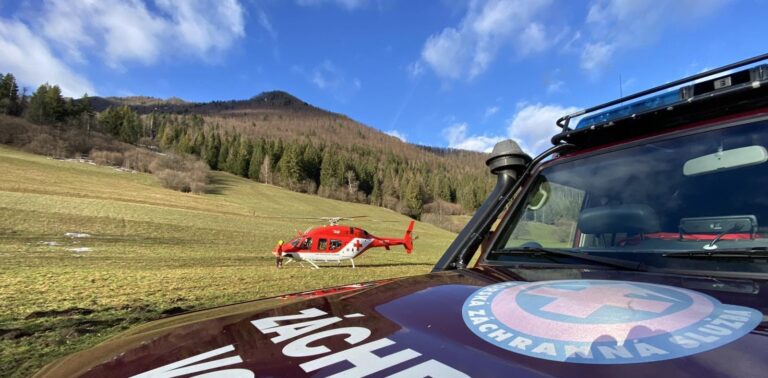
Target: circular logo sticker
(603, 322)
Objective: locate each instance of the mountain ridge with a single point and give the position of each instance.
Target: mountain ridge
(276, 113)
(146, 104)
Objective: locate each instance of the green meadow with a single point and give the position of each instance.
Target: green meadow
(153, 252)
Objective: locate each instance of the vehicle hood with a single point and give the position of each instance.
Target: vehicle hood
(423, 325)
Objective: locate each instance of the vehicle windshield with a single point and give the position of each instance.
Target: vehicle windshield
(699, 193)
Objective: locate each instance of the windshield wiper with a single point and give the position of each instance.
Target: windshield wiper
(712, 246)
(607, 261)
(752, 253)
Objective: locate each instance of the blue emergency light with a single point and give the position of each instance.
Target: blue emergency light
(663, 100)
(685, 90)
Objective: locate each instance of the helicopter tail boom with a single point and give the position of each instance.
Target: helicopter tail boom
(406, 241)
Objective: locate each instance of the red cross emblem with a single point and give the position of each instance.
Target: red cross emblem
(585, 302)
(358, 245)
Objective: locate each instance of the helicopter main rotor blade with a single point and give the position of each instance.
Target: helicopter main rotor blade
(283, 217)
(355, 217)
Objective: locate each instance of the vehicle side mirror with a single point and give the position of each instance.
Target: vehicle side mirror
(541, 197)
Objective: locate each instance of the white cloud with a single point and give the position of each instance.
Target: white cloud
(43, 43)
(397, 135)
(121, 31)
(346, 4)
(130, 31)
(490, 111)
(467, 50)
(28, 57)
(328, 77)
(533, 39)
(555, 86)
(446, 53)
(534, 125)
(266, 24)
(616, 25)
(415, 69)
(552, 82)
(457, 137)
(204, 26)
(596, 55)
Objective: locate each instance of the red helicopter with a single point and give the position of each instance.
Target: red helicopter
(336, 243)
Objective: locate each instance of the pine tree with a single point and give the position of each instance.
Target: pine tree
(55, 104)
(83, 105)
(441, 189)
(9, 95)
(376, 194)
(277, 153)
(328, 174)
(211, 151)
(199, 143)
(38, 111)
(231, 163)
(110, 120)
(289, 167)
(257, 159)
(168, 135)
(223, 154)
(184, 146)
(242, 158)
(413, 200)
(311, 161)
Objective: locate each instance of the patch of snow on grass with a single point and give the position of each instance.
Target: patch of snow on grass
(77, 235)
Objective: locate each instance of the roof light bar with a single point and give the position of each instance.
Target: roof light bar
(672, 97)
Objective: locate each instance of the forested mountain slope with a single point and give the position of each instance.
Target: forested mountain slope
(279, 139)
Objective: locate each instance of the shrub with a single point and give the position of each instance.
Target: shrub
(76, 141)
(185, 174)
(175, 180)
(110, 158)
(307, 186)
(45, 144)
(138, 159)
(167, 162)
(198, 177)
(444, 208)
(147, 142)
(390, 202)
(11, 130)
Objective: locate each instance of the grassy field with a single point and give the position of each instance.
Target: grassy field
(153, 252)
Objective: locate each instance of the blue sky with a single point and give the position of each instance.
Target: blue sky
(452, 73)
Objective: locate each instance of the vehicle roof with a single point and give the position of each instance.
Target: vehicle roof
(710, 95)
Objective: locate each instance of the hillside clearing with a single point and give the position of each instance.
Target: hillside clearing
(152, 252)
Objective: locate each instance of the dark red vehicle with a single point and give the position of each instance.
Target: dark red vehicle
(637, 246)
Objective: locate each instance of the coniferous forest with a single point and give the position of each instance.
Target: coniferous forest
(273, 138)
